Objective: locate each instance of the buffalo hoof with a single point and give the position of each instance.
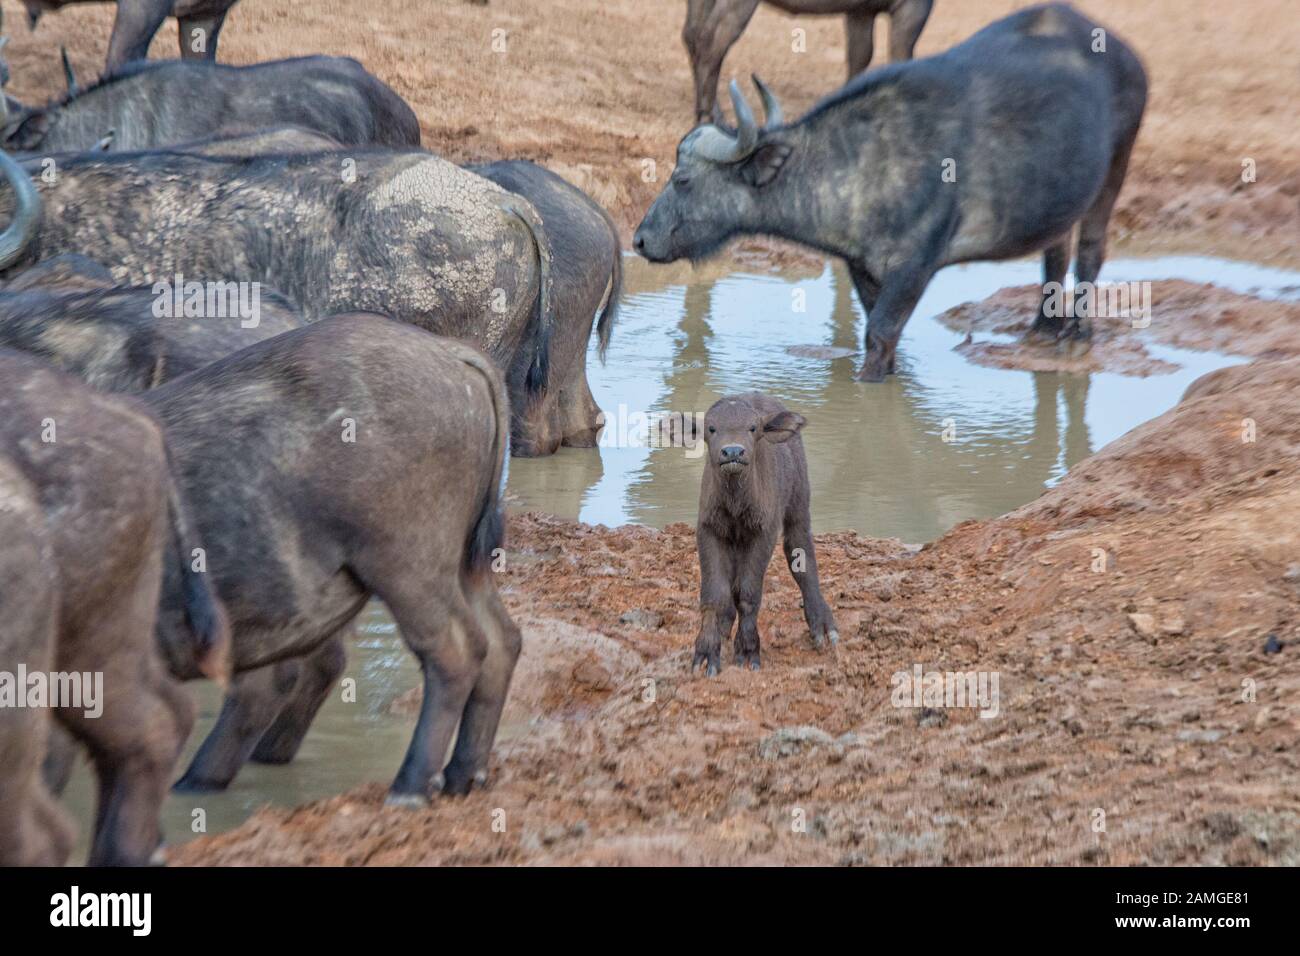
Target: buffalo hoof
(824, 637)
(193, 783)
(870, 374)
(712, 663)
(459, 783)
(407, 801)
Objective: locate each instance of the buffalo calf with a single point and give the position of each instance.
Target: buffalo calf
(115, 526)
(358, 457)
(755, 488)
(33, 829)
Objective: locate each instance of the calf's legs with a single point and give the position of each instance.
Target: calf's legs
(254, 700)
(717, 601)
(482, 716)
(317, 676)
(440, 629)
(801, 559)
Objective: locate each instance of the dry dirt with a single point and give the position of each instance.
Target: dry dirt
(1141, 616)
(595, 88)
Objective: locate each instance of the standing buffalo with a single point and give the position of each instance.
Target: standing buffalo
(97, 465)
(355, 457)
(587, 269)
(401, 233)
(755, 489)
(157, 103)
(198, 23)
(712, 26)
(995, 149)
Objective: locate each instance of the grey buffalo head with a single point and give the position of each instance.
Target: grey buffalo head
(716, 189)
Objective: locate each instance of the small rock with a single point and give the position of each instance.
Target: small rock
(1143, 624)
(642, 619)
(1273, 645)
(1200, 736)
(788, 741)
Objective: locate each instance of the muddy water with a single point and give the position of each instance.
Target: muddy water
(942, 441)
(878, 459)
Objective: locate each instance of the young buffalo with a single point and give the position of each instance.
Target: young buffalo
(34, 831)
(755, 487)
(356, 457)
(116, 530)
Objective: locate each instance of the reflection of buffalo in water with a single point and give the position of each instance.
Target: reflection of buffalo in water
(900, 462)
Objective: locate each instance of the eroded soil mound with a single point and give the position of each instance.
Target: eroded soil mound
(1187, 315)
(1126, 614)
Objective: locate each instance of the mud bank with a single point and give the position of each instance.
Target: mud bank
(1186, 315)
(598, 91)
(1126, 614)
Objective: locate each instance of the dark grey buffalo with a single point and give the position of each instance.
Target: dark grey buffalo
(995, 149)
(401, 233)
(712, 26)
(198, 24)
(755, 489)
(587, 269)
(116, 532)
(157, 103)
(353, 458)
(119, 340)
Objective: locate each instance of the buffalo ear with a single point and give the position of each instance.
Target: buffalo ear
(766, 163)
(782, 426)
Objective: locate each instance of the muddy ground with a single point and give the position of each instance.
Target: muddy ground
(594, 90)
(1142, 616)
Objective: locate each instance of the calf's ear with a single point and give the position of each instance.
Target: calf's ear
(766, 163)
(782, 426)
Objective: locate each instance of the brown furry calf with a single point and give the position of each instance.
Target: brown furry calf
(356, 457)
(34, 831)
(755, 488)
(99, 470)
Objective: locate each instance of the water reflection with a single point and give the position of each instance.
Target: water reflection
(942, 441)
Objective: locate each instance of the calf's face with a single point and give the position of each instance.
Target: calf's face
(733, 430)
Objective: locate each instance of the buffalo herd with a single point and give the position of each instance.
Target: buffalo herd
(264, 358)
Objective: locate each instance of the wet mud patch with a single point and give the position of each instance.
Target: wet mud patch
(1183, 315)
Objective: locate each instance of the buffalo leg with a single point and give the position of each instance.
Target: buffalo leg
(442, 632)
(747, 587)
(478, 725)
(1092, 237)
(196, 47)
(33, 830)
(60, 758)
(320, 670)
(717, 601)
(859, 31)
(255, 699)
(886, 317)
(133, 31)
(1056, 261)
(801, 559)
(712, 26)
(133, 745)
(905, 25)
